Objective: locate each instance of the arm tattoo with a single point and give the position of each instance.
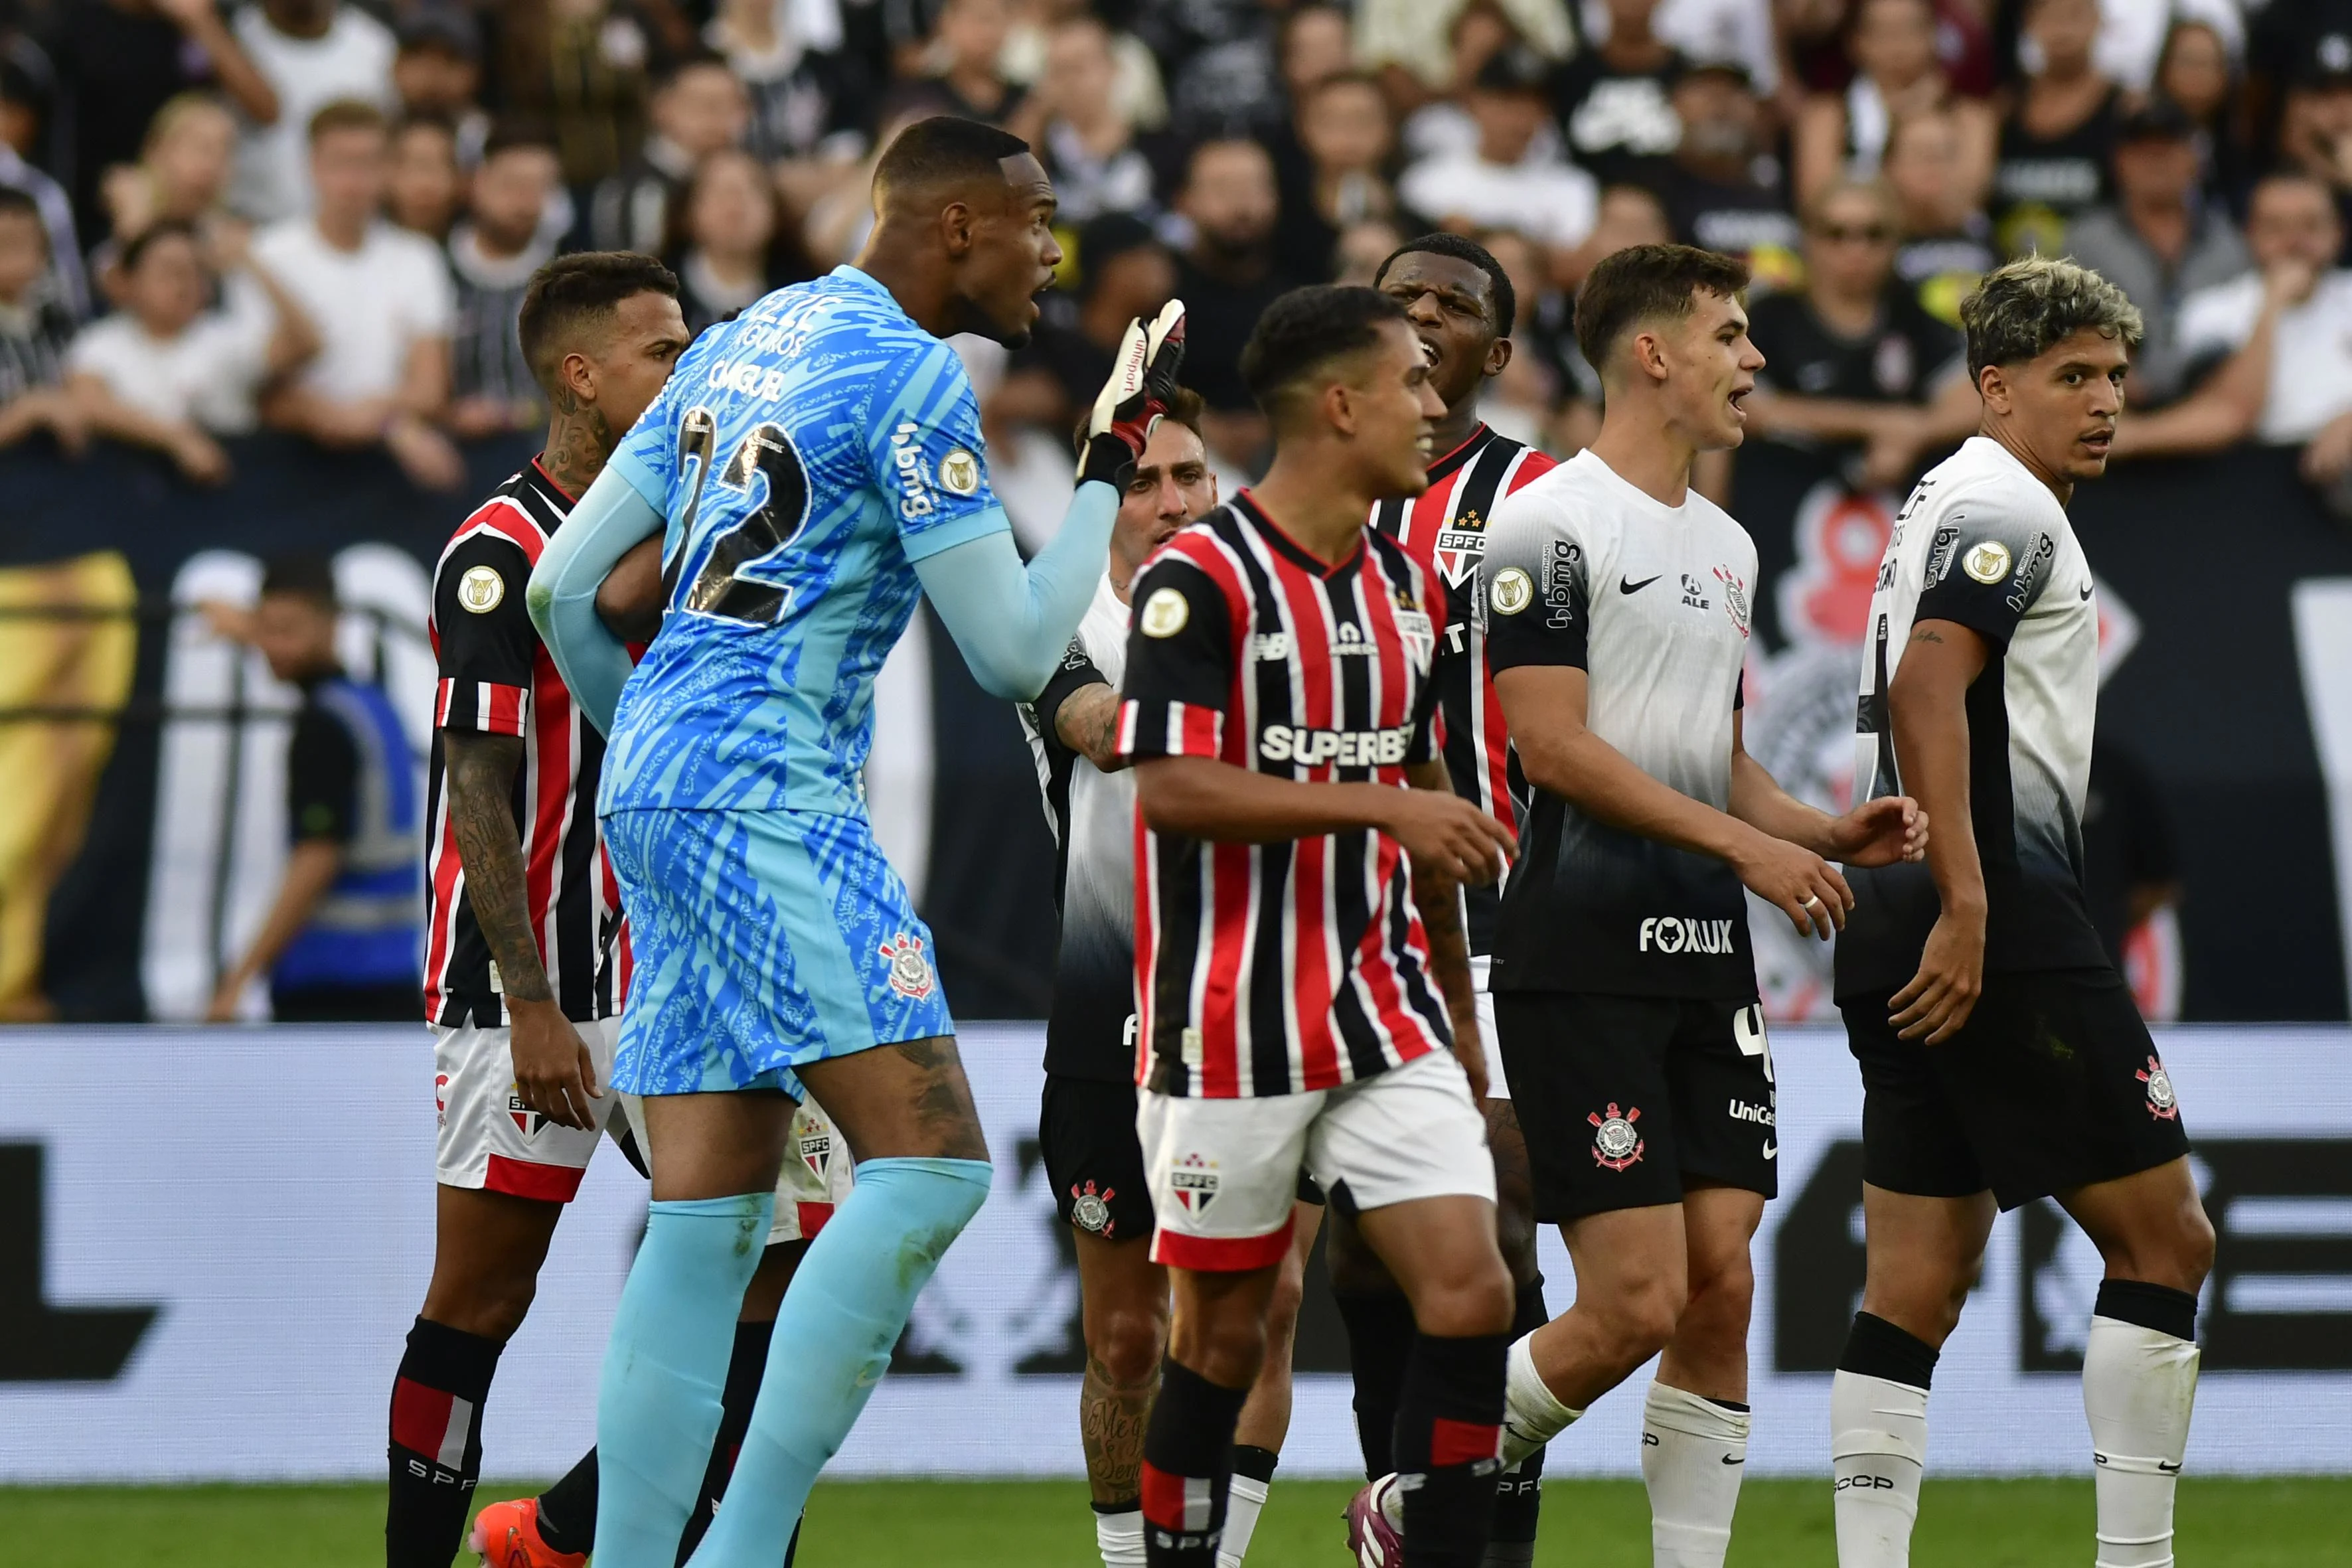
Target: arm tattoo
(481, 813)
(1449, 948)
(1088, 723)
(1925, 634)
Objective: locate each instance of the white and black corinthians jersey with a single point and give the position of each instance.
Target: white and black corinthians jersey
(1983, 543)
(1652, 601)
(1092, 813)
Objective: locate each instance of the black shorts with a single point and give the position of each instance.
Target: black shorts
(2054, 1084)
(1086, 1130)
(1626, 1101)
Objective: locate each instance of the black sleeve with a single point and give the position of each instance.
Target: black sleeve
(1533, 595)
(488, 648)
(1180, 664)
(1072, 675)
(322, 771)
(1985, 575)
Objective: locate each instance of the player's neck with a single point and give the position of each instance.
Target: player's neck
(1460, 423)
(2058, 485)
(901, 266)
(1323, 517)
(1647, 452)
(579, 439)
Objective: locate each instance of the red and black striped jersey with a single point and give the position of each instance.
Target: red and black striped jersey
(1444, 529)
(1279, 968)
(497, 678)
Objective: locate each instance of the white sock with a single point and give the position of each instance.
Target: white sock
(1693, 1452)
(1878, 1449)
(1121, 1537)
(2139, 1387)
(1532, 1414)
(1244, 1497)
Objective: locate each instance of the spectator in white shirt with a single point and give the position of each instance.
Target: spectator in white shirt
(166, 372)
(1507, 181)
(2281, 336)
(380, 298)
(313, 53)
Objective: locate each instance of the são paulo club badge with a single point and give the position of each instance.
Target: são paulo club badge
(1090, 1210)
(910, 971)
(1615, 1144)
(1195, 1182)
(2161, 1102)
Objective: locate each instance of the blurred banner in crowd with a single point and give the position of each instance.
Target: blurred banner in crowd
(211, 1245)
(2219, 832)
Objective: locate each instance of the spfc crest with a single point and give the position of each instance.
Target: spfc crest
(529, 1121)
(1420, 637)
(816, 1150)
(1195, 1182)
(910, 971)
(1615, 1144)
(2162, 1104)
(1460, 545)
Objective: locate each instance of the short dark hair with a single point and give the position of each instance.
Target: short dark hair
(582, 290)
(1304, 331)
(701, 57)
(21, 205)
(135, 250)
(518, 130)
(1463, 248)
(945, 148)
(301, 576)
(1643, 281)
(347, 114)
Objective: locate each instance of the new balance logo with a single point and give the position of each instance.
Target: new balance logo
(1270, 647)
(1675, 933)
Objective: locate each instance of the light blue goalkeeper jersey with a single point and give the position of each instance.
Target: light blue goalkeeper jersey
(805, 456)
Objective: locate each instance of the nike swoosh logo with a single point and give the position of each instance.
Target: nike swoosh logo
(1730, 1460)
(2167, 1468)
(1623, 586)
(2086, 591)
(1771, 1149)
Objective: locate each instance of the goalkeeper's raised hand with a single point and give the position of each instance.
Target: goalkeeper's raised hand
(1133, 402)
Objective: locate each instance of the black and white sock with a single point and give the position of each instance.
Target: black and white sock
(1448, 1447)
(1878, 1441)
(1245, 1496)
(435, 1453)
(567, 1511)
(1188, 1452)
(745, 1367)
(1380, 1342)
(1518, 1491)
(2139, 1384)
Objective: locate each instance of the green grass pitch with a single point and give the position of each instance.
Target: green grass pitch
(1045, 1524)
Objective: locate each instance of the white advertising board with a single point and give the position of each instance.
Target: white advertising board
(212, 1243)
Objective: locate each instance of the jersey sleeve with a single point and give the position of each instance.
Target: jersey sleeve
(1073, 675)
(322, 771)
(488, 648)
(1180, 665)
(924, 443)
(1534, 600)
(1984, 569)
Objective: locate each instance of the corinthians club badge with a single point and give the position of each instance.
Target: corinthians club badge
(1090, 1210)
(2161, 1102)
(1615, 1144)
(910, 971)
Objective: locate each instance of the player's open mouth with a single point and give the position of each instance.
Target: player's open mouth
(2098, 441)
(1430, 352)
(1738, 401)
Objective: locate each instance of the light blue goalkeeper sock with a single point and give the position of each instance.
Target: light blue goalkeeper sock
(657, 1406)
(841, 1319)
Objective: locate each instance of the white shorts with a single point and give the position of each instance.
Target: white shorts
(1224, 1173)
(489, 1140)
(1497, 1086)
(816, 1176)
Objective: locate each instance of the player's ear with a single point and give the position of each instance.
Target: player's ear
(1339, 407)
(1993, 387)
(1648, 353)
(957, 227)
(577, 373)
(1498, 356)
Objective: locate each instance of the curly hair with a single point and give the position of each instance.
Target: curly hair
(2027, 307)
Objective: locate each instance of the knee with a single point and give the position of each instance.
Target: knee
(1282, 1307)
(2186, 1255)
(1515, 1234)
(1724, 1295)
(491, 1309)
(1641, 1315)
(1127, 1342)
(1471, 1302)
(1226, 1348)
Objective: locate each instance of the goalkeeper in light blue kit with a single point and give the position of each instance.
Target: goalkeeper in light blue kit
(812, 467)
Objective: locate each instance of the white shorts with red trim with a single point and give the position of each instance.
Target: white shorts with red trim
(1224, 1172)
(1497, 1086)
(489, 1140)
(817, 1174)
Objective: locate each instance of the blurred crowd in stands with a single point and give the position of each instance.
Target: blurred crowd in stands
(318, 216)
